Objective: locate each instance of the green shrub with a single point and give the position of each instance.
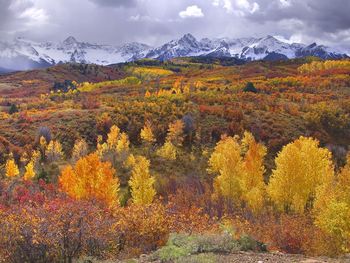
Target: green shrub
(248, 243)
(182, 245)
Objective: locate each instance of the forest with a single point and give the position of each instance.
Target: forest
(167, 159)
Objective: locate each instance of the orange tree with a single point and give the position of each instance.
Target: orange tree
(91, 179)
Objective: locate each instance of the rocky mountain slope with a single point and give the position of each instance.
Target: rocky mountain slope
(22, 54)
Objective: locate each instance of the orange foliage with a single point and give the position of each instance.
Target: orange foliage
(91, 179)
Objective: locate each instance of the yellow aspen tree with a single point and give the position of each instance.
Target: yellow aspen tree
(11, 168)
(167, 151)
(302, 167)
(176, 133)
(29, 173)
(113, 138)
(24, 158)
(123, 143)
(43, 146)
(147, 94)
(101, 147)
(252, 182)
(80, 150)
(35, 158)
(141, 182)
(91, 179)
(332, 210)
(117, 146)
(147, 135)
(54, 151)
(226, 161)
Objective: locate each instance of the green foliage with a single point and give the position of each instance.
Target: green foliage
(249, 87)
(248, 243)
(13, 109)
(180, 246)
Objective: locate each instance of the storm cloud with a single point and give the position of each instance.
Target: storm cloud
(155, 21)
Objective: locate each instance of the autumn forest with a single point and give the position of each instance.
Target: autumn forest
(140, 158)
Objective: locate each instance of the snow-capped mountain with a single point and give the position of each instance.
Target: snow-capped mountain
(22, 54)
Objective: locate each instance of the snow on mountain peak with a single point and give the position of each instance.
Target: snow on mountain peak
(70, 41)
(35, 54)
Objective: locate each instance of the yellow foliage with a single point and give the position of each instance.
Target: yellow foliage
(324, 65)
(113, 137)
(240, 166)
(88, 87)
(123, 143)
(332, 209)
(175, 133)
(151, 72)
(302, 167)
(43, 142)
(11, 168)
(141, 182)
(226, 160)
(80, 150)
(147, 94)
(167, 151)
(35, 158)
(29, 173)
(252, 184)
(147, 133)
(91, 179)
(54, 151)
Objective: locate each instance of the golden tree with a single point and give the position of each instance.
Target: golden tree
(176, 133)
(302, 167)
(91, 179)
(113, 137)
(147, 94)
(332, 209)
(54, 151)
(252, 182)
(167, 151)
(147, 135)
(30, 172)
(80, 150)
(116, 148)
(43, 146)
(226, 160)
(240, 169)
(141, 181)
(35, 158)
(123, 143)
(11, 168)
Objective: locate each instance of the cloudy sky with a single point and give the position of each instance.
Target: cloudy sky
(156, 21)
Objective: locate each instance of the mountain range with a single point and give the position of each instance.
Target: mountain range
(23, 54)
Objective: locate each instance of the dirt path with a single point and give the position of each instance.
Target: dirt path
(251, 257)
(270, 257)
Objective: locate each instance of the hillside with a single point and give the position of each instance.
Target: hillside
(189, 158)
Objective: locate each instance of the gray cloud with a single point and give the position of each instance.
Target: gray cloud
(115, 3)
(156, 21)
(9, 12)
(328, 16)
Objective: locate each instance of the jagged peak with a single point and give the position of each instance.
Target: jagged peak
(188, 37)
(70, 40)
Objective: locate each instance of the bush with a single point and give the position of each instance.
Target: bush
(182, 245)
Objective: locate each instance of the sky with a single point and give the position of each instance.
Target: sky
(156, 21)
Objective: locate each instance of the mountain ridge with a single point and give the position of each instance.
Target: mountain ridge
(22, 54)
